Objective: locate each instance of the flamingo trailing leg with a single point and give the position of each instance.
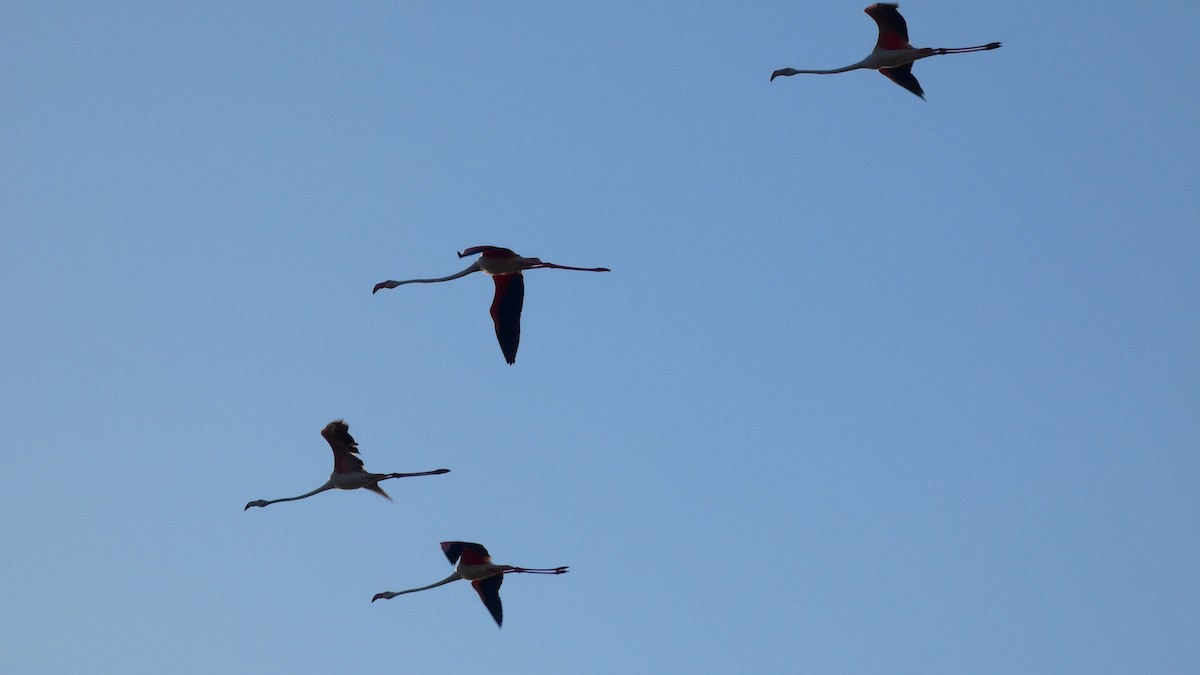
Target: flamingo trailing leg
(475, 565)
(348, 472)
(893, 55)
(505, 268)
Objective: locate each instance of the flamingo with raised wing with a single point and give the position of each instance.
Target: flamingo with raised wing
(348, 472)
(893, 55)
(473, 563)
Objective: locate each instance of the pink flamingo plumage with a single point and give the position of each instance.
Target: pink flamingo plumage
(473, 563)
(893, 55)
(504, 267)
(348, 472)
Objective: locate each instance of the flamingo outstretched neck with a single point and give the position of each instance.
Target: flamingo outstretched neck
(474, 563)
(392, 284)
(504, 266)
(348, 472)
(893, 56)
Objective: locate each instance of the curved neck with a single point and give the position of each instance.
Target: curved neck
(473, 268)
(452, 577)
(828, 72)
(392, 284)
(852, 66)
(319, 490)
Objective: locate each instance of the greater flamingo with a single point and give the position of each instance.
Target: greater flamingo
(475, 565)
(893, 55)
(348, 472)
(504, 267)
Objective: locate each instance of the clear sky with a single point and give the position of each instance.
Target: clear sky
(876, 385)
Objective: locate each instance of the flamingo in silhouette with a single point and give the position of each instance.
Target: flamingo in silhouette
(348, 472)
(893, 55)
(474, 564)
(504, 267)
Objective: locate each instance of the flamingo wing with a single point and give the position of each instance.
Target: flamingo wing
(893, 29)
(506, 312)
(345, 449)
(471, 554)
(494, 251)
(902, 75)
(489, 592)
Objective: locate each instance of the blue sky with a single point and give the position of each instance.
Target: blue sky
(875, 384)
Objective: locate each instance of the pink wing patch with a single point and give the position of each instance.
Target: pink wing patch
(472, 555)
(889, 40)
(893, 29)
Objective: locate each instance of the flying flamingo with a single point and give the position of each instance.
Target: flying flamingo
(505, 267)
(475, 565)
(893, 55)
(348, 472)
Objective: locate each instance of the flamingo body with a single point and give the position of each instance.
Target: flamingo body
(893, 56)
(473, 563)
(348, 472)
(505, 267)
